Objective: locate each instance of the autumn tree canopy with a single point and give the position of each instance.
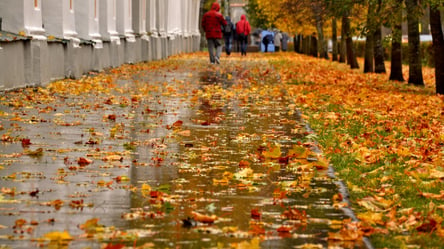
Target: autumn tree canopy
(360, 18)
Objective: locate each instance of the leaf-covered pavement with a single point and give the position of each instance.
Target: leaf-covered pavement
(180, 153)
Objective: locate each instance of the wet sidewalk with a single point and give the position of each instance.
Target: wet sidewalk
(169, 154)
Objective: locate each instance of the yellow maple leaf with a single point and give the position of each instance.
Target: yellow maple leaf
(371, 217)
(62, 238)
(273, 152)
(298, 151)
(253, 244)
(145, 190)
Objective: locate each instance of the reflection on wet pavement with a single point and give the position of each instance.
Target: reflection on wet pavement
(186, 157)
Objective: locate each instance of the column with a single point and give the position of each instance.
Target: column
(153, 29)
(152, 17)
(87, 21)
(124, 19)
(162, 17)
(140, 10)
(108, 21)
(140, 17)
(23, 17)
(195, 9)
(59, 19)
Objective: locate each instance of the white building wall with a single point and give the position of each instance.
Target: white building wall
(108, 21)
(52, 19)
(152, 17)
(186, 18)
(124, 19)
(174, 17)
(23, 16)
(69, 19)
(33, 19)
(162, 17)
(140, 10)
(59, 19)
(87, 20)
(13, 14)
(162, 28)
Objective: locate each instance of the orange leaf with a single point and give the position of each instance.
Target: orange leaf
(204, 218)
(84, 161)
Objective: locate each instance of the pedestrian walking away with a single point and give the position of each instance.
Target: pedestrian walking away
(243, 30)
(228, 31)
(284, 40)
(266, 40)
(212, 23)
(277, 40)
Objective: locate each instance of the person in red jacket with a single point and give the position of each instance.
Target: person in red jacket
(212, 23)
(243, 30)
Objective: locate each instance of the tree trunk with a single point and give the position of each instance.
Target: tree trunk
(369, 40)
(343, 46)
(368, 58)
(306, 45)
(296, 43)
(415, 66)
(313, 46)
(351, 56)
(334, 39)
(378, 51)
(396, 61)
(438, 48)
(321, 41)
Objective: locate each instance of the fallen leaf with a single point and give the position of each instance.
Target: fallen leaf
(207, 219)
(61, 238)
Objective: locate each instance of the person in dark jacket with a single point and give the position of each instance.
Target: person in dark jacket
(243, 30)
(228, 32)
(212, 22)
(267, 40)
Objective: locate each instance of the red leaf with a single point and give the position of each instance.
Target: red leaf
(112, 117)
(114, 246)
(255, 214)
(26, 142)
(83, 161)
(427, 227)
(284, 229)
(244, 164)
(175, 125)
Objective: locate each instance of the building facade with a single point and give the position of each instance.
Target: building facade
(46, 40)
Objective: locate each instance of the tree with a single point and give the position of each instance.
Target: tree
(374, 51)
(334, 33)
(316, 12)
(319, 14)
(378, 49)
(369, 40)
(438, 47)
(396, 52)
(342, 9)
(351, 55)
(415, 66)
(257, 15)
